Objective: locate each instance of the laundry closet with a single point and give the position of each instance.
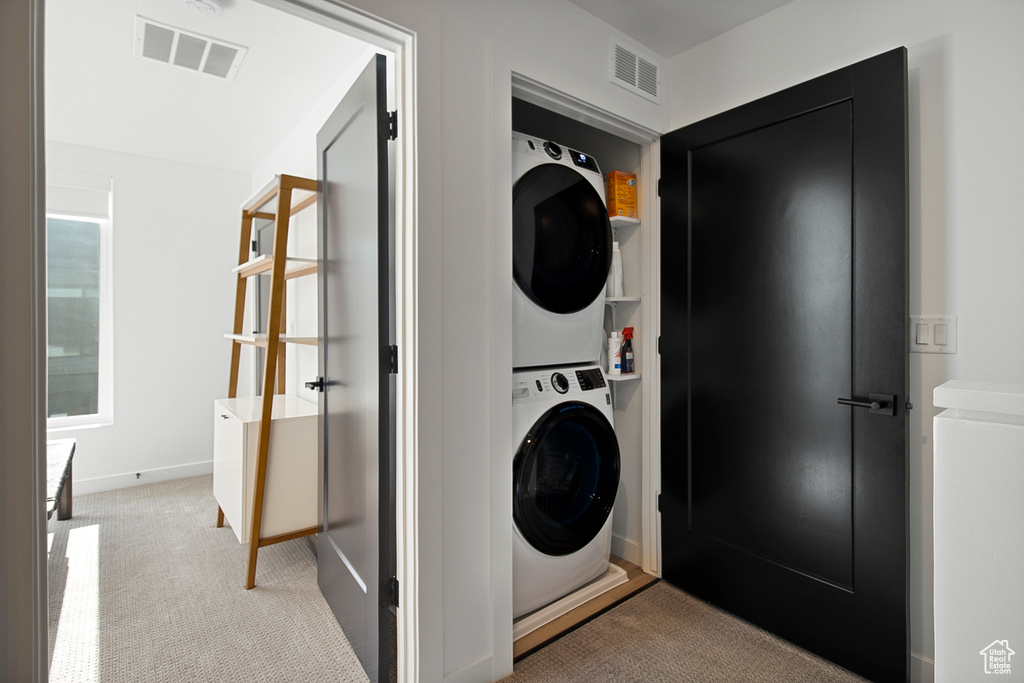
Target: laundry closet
(632, 538)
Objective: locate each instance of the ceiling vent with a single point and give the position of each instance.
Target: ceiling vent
(635, 72)
(189, 50)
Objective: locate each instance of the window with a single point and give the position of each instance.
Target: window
(78, 299)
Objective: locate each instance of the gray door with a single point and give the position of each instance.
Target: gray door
(356, 543)
(784, 356)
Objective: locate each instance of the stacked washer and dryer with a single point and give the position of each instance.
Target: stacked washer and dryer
(566, 466)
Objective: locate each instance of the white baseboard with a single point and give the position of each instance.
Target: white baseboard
(122, 481)
(922, 669)
(627, 549)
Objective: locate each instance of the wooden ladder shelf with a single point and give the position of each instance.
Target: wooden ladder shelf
(285, 196)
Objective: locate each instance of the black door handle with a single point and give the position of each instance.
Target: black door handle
(317, 385)
(877, 404)
(874, 405)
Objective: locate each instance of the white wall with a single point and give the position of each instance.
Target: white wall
(466, 53)
(175, 239)
(966, 171)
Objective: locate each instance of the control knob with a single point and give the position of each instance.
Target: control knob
(553, 150)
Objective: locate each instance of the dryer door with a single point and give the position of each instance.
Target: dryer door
(561, 238)
(564, 478)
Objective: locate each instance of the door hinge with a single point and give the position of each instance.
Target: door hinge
(659, 187)
(388, 125)
(255, 248)
(659, 345)
(659, 502)
(389, 592)
(390, 360)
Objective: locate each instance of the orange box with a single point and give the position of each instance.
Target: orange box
(620, 192)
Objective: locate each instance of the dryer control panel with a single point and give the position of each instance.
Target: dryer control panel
(584, 161)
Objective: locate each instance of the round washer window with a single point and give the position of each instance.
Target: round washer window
(561, 238)
(564, 478)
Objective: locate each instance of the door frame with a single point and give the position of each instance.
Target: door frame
(524, 87)
(27, 200)
(398, 44)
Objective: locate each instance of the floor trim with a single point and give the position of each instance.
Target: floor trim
(636, 581)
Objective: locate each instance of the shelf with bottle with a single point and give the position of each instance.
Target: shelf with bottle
(623, 378)
(623, 223)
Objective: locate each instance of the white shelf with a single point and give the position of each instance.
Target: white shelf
(612, 300)
(293, 267)
(623, 222)
(286, 406)
(263, 204)
(623, 378)
(261, 339)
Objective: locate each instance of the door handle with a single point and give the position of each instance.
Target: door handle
(317, 385)
(877, 404)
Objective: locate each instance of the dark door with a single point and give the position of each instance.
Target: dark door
(784, 266)
(561, 237)
(356, 543)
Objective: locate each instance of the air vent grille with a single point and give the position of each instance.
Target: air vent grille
(635, 73)
(191, 51)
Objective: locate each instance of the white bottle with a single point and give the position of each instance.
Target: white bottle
(614, 354)
(614, 286)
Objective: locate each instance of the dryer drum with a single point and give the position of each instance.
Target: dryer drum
(564, 478)
(561, 239)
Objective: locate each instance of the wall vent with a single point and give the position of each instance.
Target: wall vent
(186, 49)
(635, 72)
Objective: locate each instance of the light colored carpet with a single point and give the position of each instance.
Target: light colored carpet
(663, 634)
(144, 588)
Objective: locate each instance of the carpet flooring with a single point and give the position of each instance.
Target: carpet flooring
(145, 589)
(663, 634)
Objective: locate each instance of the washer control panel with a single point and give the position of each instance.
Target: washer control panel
(538, 384)
(591, 378)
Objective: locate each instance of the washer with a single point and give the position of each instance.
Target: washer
(565, 474)
(561, 254)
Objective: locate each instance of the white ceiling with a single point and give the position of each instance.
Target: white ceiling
(100, 94)
(670, 27)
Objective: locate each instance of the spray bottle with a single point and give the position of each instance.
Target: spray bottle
(627, 351)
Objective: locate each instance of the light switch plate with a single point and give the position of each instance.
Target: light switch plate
(923, 335)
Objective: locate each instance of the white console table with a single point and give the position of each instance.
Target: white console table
(290, 496)
(979, 543)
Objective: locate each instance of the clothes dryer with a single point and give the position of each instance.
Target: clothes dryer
(561, 254)
(565, 474)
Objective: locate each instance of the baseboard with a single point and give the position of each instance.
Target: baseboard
(922, 670)
(480, 670)
(627, 549)
(122, 481)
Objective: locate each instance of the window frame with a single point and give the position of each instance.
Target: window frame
(104, 416)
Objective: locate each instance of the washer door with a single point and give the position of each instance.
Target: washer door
(561, 238)
(564, 478)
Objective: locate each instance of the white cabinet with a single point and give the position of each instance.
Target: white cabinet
(979, 550)
(289, 502)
